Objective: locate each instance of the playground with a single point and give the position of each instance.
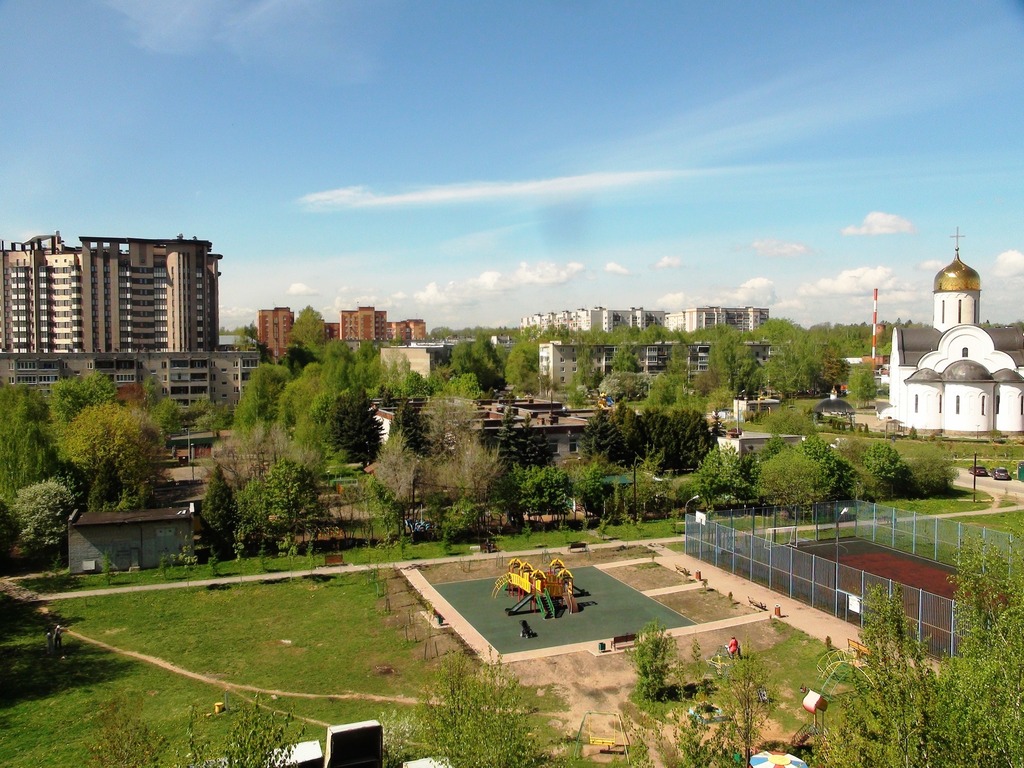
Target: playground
(588, 606)
(886, 562)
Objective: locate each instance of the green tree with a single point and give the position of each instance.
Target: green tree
(834, 368)
(118, 445)
(255, 528)
(602, 438)
(28, 452)
(863, 386)
(42, 511)
(790, 479)
(68, 397)
(838, 476)
(931, 469)
(309, 330)
(538, 492)
(480, 359)
(733, 363)
(259, 738)
(681, 437)
(518, 444)
(748, 697)
(624, 360)
(892, 716)
(654, 659)
(723, 477)
(167, 415)
(588, 487)
(466, 706)
(354, 428)
(219, 512)
(890, 475)
(410, 423)
(292, 499)
(522, 367)
(259, 401)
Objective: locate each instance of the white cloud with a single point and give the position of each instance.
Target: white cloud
(669, 262)
(475, 192)
(493, 283)
(235, 316)
(931, 265)
(615, 269)
(773, 248)
(755, 292)
(878, 223)
(673, 302)
(1009, 264)
(546, 273)
(301, 289)
(850, 282)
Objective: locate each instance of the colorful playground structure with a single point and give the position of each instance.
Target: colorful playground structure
(536, 590)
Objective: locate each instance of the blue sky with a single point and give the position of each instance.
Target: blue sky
(473, 162)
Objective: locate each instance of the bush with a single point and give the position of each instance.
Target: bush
(654, 659)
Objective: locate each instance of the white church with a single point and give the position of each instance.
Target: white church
(957, 378)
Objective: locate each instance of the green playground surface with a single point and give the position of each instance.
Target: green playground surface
(612, 608)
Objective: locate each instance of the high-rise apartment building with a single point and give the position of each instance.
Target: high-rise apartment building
(407, 330)
(274, 329)
(108, 295)
(364, 324)
(698, 318)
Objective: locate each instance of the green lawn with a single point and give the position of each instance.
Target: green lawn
(1008, 522)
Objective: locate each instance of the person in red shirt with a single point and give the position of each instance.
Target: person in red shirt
(734, 648)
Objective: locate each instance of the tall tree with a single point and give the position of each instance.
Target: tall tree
(292, 498)
(863, 386)
(410, 423)
(602, 438)
(309, 330)
(790, 479)
(522, 367)
(259, 401)
(354, 428)
(42, 511)
(682, 437)
(654, 659)
(466, 706)
(518, 444)
(749, 697)
(117, 443)
(28, 452)
(220, 512)
(68, 397)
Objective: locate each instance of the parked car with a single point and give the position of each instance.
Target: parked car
(978, 471)
(1000, 473)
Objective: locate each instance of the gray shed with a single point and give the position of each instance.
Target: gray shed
(136, 539)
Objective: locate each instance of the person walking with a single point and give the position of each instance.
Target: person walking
(49, 643)
(58, 641)
(734, 648)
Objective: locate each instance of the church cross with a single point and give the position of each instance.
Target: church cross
(957, 237)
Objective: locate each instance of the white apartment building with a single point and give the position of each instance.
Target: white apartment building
(108, 295)
(698, 318)
(597, 318)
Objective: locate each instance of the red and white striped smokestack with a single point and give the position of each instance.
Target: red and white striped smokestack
(874, 331)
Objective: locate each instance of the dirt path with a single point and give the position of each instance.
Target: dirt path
(240, 687)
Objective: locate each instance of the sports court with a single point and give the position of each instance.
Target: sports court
(610, 608)
(878, 560)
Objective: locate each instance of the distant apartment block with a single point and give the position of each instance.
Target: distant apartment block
(407, 330)
(110, 294)
(699, 318)
(559, 362)
(332, 331)
(274, 329)
(598, 318)
(184, 377)
(371, 324)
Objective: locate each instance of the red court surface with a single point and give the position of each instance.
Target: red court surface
(877, 560)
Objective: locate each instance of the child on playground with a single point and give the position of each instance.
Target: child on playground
(734, 648)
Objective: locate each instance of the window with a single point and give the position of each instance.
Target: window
(940, 404)
(982, 405)
(963, 352)
(957, 409)
(915, 403)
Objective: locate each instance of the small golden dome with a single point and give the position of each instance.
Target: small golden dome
(957, 277)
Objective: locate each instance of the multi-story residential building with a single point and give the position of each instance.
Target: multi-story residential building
(422, 358)
(699, 318)
(274, 329)
(597, 318)
(364, 324)
(558, 362)
(407, 330)
(108, 295)
(184, 377)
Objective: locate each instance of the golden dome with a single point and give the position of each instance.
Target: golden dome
(957, 277)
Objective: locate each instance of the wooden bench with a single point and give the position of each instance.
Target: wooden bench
(334, 558)
(757, 604)
(859, 649)
(488, 547)
(578, 546)
(623, 641)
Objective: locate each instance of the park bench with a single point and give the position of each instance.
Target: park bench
(334, 558)
(623, 641)
(757, 604)
(488, 547)
(859, 649)
(578, 546)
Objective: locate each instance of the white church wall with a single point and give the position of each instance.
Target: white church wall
(1010, 414)
(923, 406)
(965, 415)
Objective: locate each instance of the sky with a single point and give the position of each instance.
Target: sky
(470, 163)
